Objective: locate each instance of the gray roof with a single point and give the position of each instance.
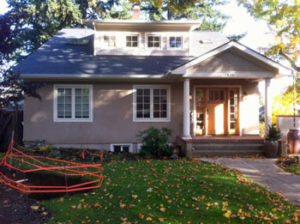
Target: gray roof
(204, 41)
(57, 57)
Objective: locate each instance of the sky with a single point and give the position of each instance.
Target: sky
(241, 21)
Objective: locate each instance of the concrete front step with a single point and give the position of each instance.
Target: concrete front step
(202, 149)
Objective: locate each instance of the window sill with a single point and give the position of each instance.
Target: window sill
(151, 120)
(73, 120)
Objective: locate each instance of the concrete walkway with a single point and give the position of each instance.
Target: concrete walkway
(266, 173)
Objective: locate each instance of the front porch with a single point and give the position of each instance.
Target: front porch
(221, 117)
(221, 100)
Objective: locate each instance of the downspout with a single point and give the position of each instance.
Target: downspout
(294, 98)
(94, 40)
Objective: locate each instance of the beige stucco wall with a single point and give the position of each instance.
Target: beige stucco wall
(113, 118)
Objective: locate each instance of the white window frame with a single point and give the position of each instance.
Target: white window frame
(121, 144)
(154, 35)
(73, 119)
(138, 40)
(175, 48)
(152, 119)
(109, 37)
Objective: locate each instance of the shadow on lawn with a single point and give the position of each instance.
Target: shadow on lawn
(44, 179)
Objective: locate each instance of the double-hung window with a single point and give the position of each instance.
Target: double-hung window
(151, 103)
(154, 41)
(175, 42)
(73, 103)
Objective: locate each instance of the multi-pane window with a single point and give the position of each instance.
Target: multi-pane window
(143, 103)
(175, 42)
(64, 103)
(216, 95)
(72, 103)
(233, 109)
(151, 103)
(160, 103)
(132, 41)
(117, 148)
(82, 105)
(153, 41)
(109, 41)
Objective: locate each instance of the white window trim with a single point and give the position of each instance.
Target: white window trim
(73, 119)
(122, 144)
(155, 35)
(152, 119)
(175, 48)
(139, 40)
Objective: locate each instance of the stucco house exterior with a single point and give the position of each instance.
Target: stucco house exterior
(107, 82)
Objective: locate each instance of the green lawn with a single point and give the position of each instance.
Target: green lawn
(294, 168)
(171, 192)
(290, 164)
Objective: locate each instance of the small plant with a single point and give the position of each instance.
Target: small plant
(155, 142)
(273, 133)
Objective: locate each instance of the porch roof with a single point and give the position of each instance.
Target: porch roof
(275, 68)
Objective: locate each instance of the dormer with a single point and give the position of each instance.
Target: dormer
(138, 37)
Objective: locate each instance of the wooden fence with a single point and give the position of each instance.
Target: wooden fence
(7, 123)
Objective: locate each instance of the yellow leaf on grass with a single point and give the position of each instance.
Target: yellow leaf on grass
(227, 214)
(134, 196)
(141, 215)
(163, 210)
(34, 207)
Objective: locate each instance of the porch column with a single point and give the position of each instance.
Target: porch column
(186, 109)
(268, 104)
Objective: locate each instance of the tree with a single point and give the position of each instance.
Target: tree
(284, 104)
(283, 19)
(13, 90)
(204, 10)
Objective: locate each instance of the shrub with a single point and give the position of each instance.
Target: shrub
(155, 142)
(273, 133)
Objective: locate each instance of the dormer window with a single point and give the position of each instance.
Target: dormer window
(175, 42)
(154, 41)
(132, 41)
(109, 41)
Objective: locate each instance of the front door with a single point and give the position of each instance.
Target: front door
(216, 111)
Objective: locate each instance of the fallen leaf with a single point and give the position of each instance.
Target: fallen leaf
(163, 210)
(35, 207)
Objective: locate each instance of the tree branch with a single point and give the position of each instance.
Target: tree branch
(291, 61)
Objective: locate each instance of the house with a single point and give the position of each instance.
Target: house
(107, 82)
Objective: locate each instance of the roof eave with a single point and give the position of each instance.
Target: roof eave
(88, 76)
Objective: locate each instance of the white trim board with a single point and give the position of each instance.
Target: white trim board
(73, 86)
(183, 69)
(151, 119)
(230, 74)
